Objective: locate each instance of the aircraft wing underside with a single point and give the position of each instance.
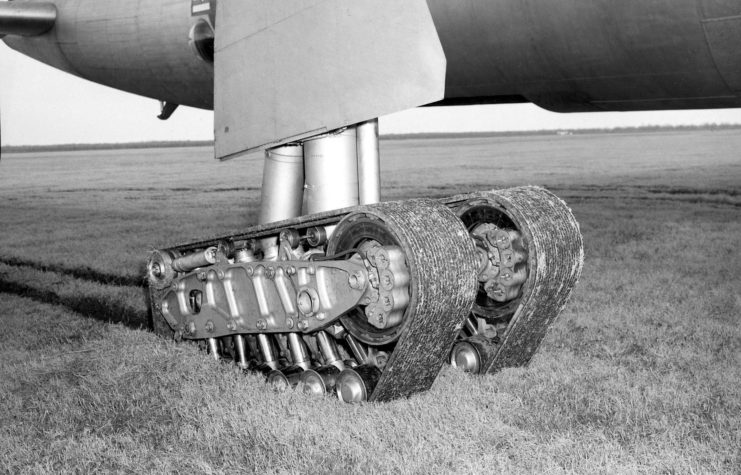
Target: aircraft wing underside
(369, 58)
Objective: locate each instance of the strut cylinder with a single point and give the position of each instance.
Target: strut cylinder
(239, 345)
(299, 353)
(331, 171)
(267, 350)
(328, 348)
(282, 190)
(369, 163)
(213, 348)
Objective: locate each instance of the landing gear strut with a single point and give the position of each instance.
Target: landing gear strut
(366, 302)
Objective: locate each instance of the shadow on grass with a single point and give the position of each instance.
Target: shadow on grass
(83, 273)
(86, 305)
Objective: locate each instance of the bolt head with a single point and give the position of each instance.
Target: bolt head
(356, 280)
(382, 258)
(387, 280)
(156, 270)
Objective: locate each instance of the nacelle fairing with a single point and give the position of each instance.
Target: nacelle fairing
(139, 47)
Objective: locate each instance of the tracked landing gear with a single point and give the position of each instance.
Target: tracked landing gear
(366, 302)
(531, 254)
(370, 314)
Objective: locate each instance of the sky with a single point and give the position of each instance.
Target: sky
(40, 105)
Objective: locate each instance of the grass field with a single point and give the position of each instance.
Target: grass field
(641, 373)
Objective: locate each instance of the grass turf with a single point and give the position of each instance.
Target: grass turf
(640, 374)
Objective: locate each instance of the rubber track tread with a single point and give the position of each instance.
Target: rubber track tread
(555, 260)
(442, 261)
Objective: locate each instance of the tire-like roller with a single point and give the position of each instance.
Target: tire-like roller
(442, 262)
(555, 256)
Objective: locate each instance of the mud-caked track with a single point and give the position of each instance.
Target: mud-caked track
(368, 301)
(535, 235)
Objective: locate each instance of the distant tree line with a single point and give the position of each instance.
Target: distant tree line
(614, 130)
(438, 135)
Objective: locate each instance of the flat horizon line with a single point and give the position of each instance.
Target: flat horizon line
(65, 147)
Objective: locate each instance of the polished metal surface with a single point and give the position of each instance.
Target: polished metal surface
(241, 351)
(299, 352)
(351, 387)
(213, 348)
(282, 184)
(466, 357)
(313, 383)
(267, 351)
(27, 19)
(195, 260)
(282, 192)
(263, 296)
(331, 168)
(278, 379)
(356, 384)
(357, 350)
(369, 163)
(472, 326)
(328, 349)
